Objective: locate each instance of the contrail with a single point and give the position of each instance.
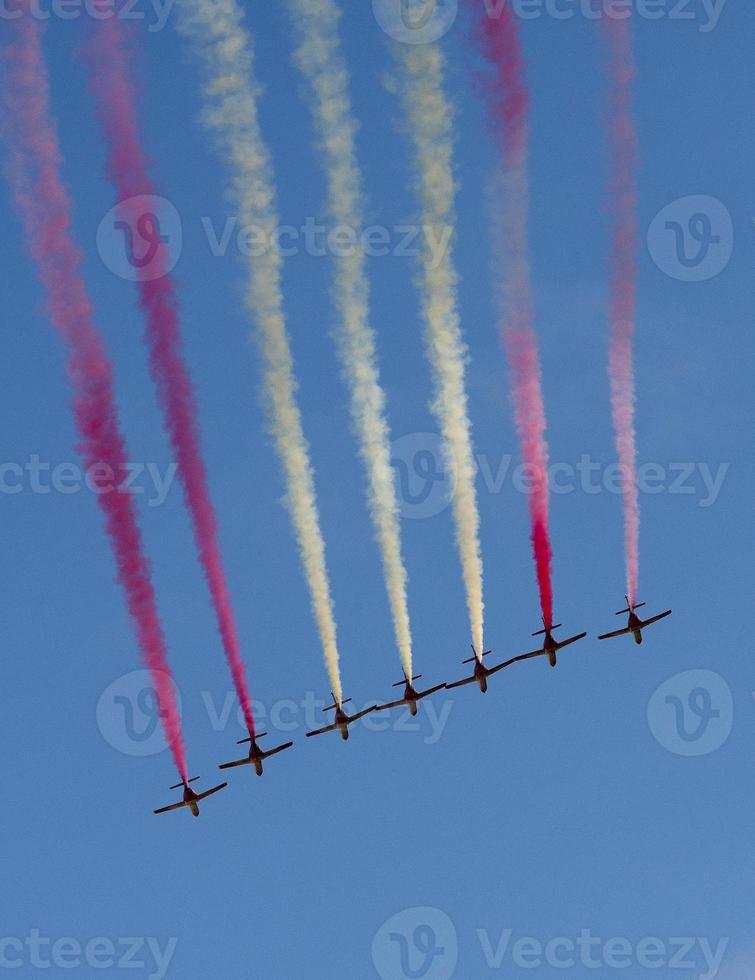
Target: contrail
(110, 70)
(45, 208)
(224, 48)
(320, 58)
(623, 194)
(421, 83)
(505, 89)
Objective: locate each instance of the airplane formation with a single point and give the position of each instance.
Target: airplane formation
(550, 648)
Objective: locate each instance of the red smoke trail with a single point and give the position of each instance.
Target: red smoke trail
(623, 191)
(128, 171)
(506, 93)
(45, 209)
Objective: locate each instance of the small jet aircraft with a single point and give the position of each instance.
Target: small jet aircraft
(551, 645)
(481, 671)
(342, 720)
(635, 625)
(411, 694)
(256, 754)
(191, 799)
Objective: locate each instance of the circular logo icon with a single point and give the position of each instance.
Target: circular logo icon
(425, 480)
(128, 715)
(417, 944)
(692, 239)
(141, 238)
(692, 713)
(415, 21)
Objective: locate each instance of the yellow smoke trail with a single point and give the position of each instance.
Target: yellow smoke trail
(320, 59)
(421, 73)
(223, 45)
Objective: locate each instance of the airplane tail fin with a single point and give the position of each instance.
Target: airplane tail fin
(542, 632)
(471, 660)
(241, 741)
(181, 785)
(406, 680)
(629, 607)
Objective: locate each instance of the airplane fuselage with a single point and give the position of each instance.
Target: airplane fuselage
(481, 673)
(550, 646)
(190, 799)
(635, 625)
(410, 696)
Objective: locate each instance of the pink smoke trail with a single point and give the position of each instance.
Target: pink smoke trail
(505, 90)
(45, 209)
(623, 193)
(128, 170)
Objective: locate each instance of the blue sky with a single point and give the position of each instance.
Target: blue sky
(556, 804)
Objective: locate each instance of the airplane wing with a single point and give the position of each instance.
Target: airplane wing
(654, 619)
(432, 690)
(276, 750)
(391, 704)
(321, 731)
(515, 660)
(572, 639)
(209, 792)
(232, 765)
(461, 683)
(173, 806)
(361, 714)
(609, 636)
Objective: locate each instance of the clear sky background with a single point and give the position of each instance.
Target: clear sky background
(550, 806)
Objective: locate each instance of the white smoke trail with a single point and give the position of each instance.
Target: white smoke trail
(223, 45)
(320, 59)
(430, 125)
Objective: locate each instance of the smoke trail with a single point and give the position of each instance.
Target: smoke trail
(430, 127)
(45, 209)
(110, 70)
(321, 61)
(217, 32)
(623, 192)
(505, 89)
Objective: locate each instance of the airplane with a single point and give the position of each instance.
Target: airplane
(551, 645)
(411, 694)
(635, 625)
(342, 720)
(191, 799)
(481, 672)
(256, 754)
